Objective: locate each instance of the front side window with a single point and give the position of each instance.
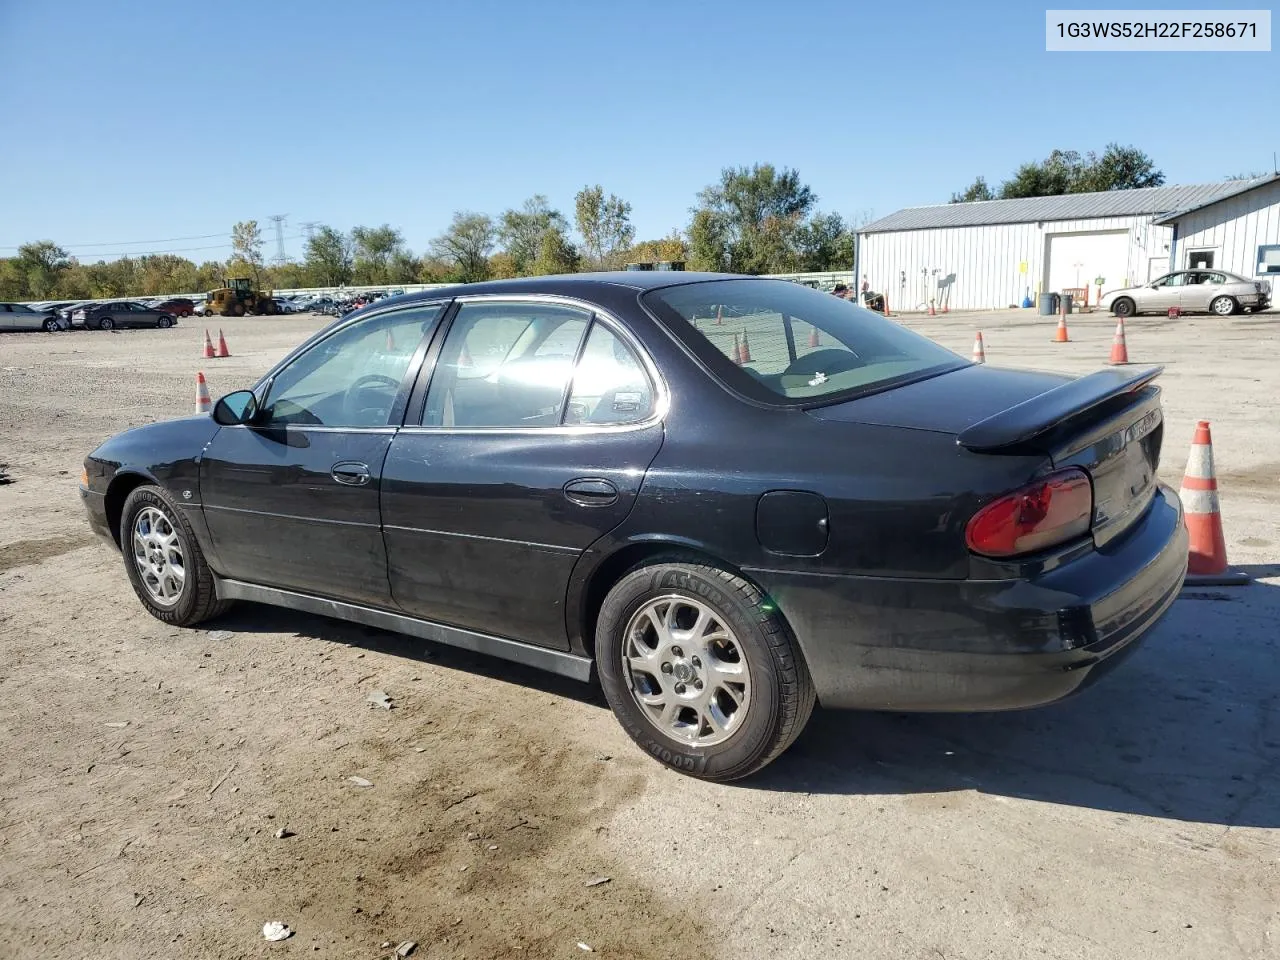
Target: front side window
(1172, 280)
(352, 377)
(783, 343)
(505, 364)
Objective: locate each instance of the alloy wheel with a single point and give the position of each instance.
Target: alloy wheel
(1223, 306)
(687, 670)
(157, 552)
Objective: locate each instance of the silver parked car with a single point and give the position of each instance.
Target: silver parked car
(18, 316)
(1191, 291)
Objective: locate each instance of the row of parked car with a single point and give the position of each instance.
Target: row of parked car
(161, 312)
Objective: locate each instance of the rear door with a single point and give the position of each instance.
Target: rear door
(539, 422)
(292, 500)
(1197, 291)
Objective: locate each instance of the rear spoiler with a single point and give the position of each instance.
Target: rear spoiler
(1029, 419)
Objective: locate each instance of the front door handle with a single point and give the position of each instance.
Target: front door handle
(591, 492)
(351, 473)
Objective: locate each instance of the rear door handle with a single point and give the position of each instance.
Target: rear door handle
(351, 473)
(591, 492)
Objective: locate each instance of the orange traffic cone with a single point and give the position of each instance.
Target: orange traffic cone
(814, 339)
(746, 349)
(1207, 562)
(1119, 349)
(946, 307)
(203, 403)
(1061, 335)
(979, 355)
(222, 345)
(737, 350)
(208, 353)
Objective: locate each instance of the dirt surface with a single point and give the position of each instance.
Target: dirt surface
(146, 769)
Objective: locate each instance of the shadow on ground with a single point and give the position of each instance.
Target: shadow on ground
(1187, 728)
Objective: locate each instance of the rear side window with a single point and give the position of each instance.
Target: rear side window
(782, 343)
(609, 384)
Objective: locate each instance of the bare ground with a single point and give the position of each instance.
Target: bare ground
(145, 769)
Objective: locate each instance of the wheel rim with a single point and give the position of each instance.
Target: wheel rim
(50, 325)
(157, 552)
(1222, 306)
(106, 324)
(686, 670)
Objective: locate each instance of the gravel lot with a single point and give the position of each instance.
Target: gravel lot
(146, 770)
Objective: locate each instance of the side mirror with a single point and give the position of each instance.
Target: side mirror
(236, 408)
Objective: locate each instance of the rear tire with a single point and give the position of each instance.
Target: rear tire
(50, 325)
(142, 536)
(753, 692)
(106, 323)
(238, 310)
(164, 323)
(1223, 306)
(1123, 307)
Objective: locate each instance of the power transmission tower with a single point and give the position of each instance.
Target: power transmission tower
(280, 257)
(309, 229)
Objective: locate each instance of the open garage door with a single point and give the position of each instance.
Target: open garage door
(1077, 259)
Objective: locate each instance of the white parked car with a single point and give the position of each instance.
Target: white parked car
(1191, 291)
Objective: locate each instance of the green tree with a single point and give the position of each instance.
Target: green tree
(466, 246)
(328, 258)
(246, 247)
(375, 249)
(1066, 171)
(41, 264)
(978, 190)
(210, 274)
(824, 243)
(672, 247)
(747, 222)
(605, 226)
(555, 254)
(520, 232)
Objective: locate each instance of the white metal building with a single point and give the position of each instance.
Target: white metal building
(994, 253)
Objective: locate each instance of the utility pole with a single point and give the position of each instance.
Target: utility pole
(278, 219)
(309, 228)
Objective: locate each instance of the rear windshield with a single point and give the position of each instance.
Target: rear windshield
(782, 343)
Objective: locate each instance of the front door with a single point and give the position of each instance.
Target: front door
(537, 429)
(1166, 293)
(291, 500)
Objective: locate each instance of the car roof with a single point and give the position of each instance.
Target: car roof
(571, 284)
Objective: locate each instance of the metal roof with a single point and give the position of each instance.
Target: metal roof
(1069, 206)
(1242, 186)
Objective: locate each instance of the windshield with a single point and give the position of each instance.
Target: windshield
(780, 342)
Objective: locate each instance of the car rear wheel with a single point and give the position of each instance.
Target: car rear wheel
(701, 672)
(238, 310)
(1123, 307)
(164, 323)
(106, 323)
(50, 325)
(1223, 306)
(164, 562)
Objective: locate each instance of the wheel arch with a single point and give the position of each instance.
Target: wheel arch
(123, 484)
(592, 587)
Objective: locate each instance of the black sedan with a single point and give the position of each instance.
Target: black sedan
(726, 496)
(122, 313)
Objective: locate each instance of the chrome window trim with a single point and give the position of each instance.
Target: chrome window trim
(662, 396)
(317, 428)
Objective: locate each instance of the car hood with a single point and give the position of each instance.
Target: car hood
(948, 403)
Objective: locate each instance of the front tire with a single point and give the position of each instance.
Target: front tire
(1123, 307)
(702, 674)
(1223, 306)
(106, 323)
(164, 561)
(164, 323)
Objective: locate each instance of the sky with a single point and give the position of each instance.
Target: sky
(148, 127)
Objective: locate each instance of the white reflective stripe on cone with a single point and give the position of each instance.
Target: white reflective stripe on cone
(1199, 501)
(1200, 462)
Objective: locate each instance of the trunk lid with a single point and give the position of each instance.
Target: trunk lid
(1109, 423)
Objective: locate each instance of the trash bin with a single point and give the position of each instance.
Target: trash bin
(1048, 304)
(1065, 305)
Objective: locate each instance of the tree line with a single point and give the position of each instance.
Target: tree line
(757, 219)
(1068, 171)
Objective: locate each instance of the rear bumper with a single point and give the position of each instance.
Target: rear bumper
(930, 645)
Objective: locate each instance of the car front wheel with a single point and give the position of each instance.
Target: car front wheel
(702, 673)
(1223, 306)
(164, 323)
(164, 561)
(1122, 307)
(106, 323)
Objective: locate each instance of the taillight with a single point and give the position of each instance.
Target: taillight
(1052, 510)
